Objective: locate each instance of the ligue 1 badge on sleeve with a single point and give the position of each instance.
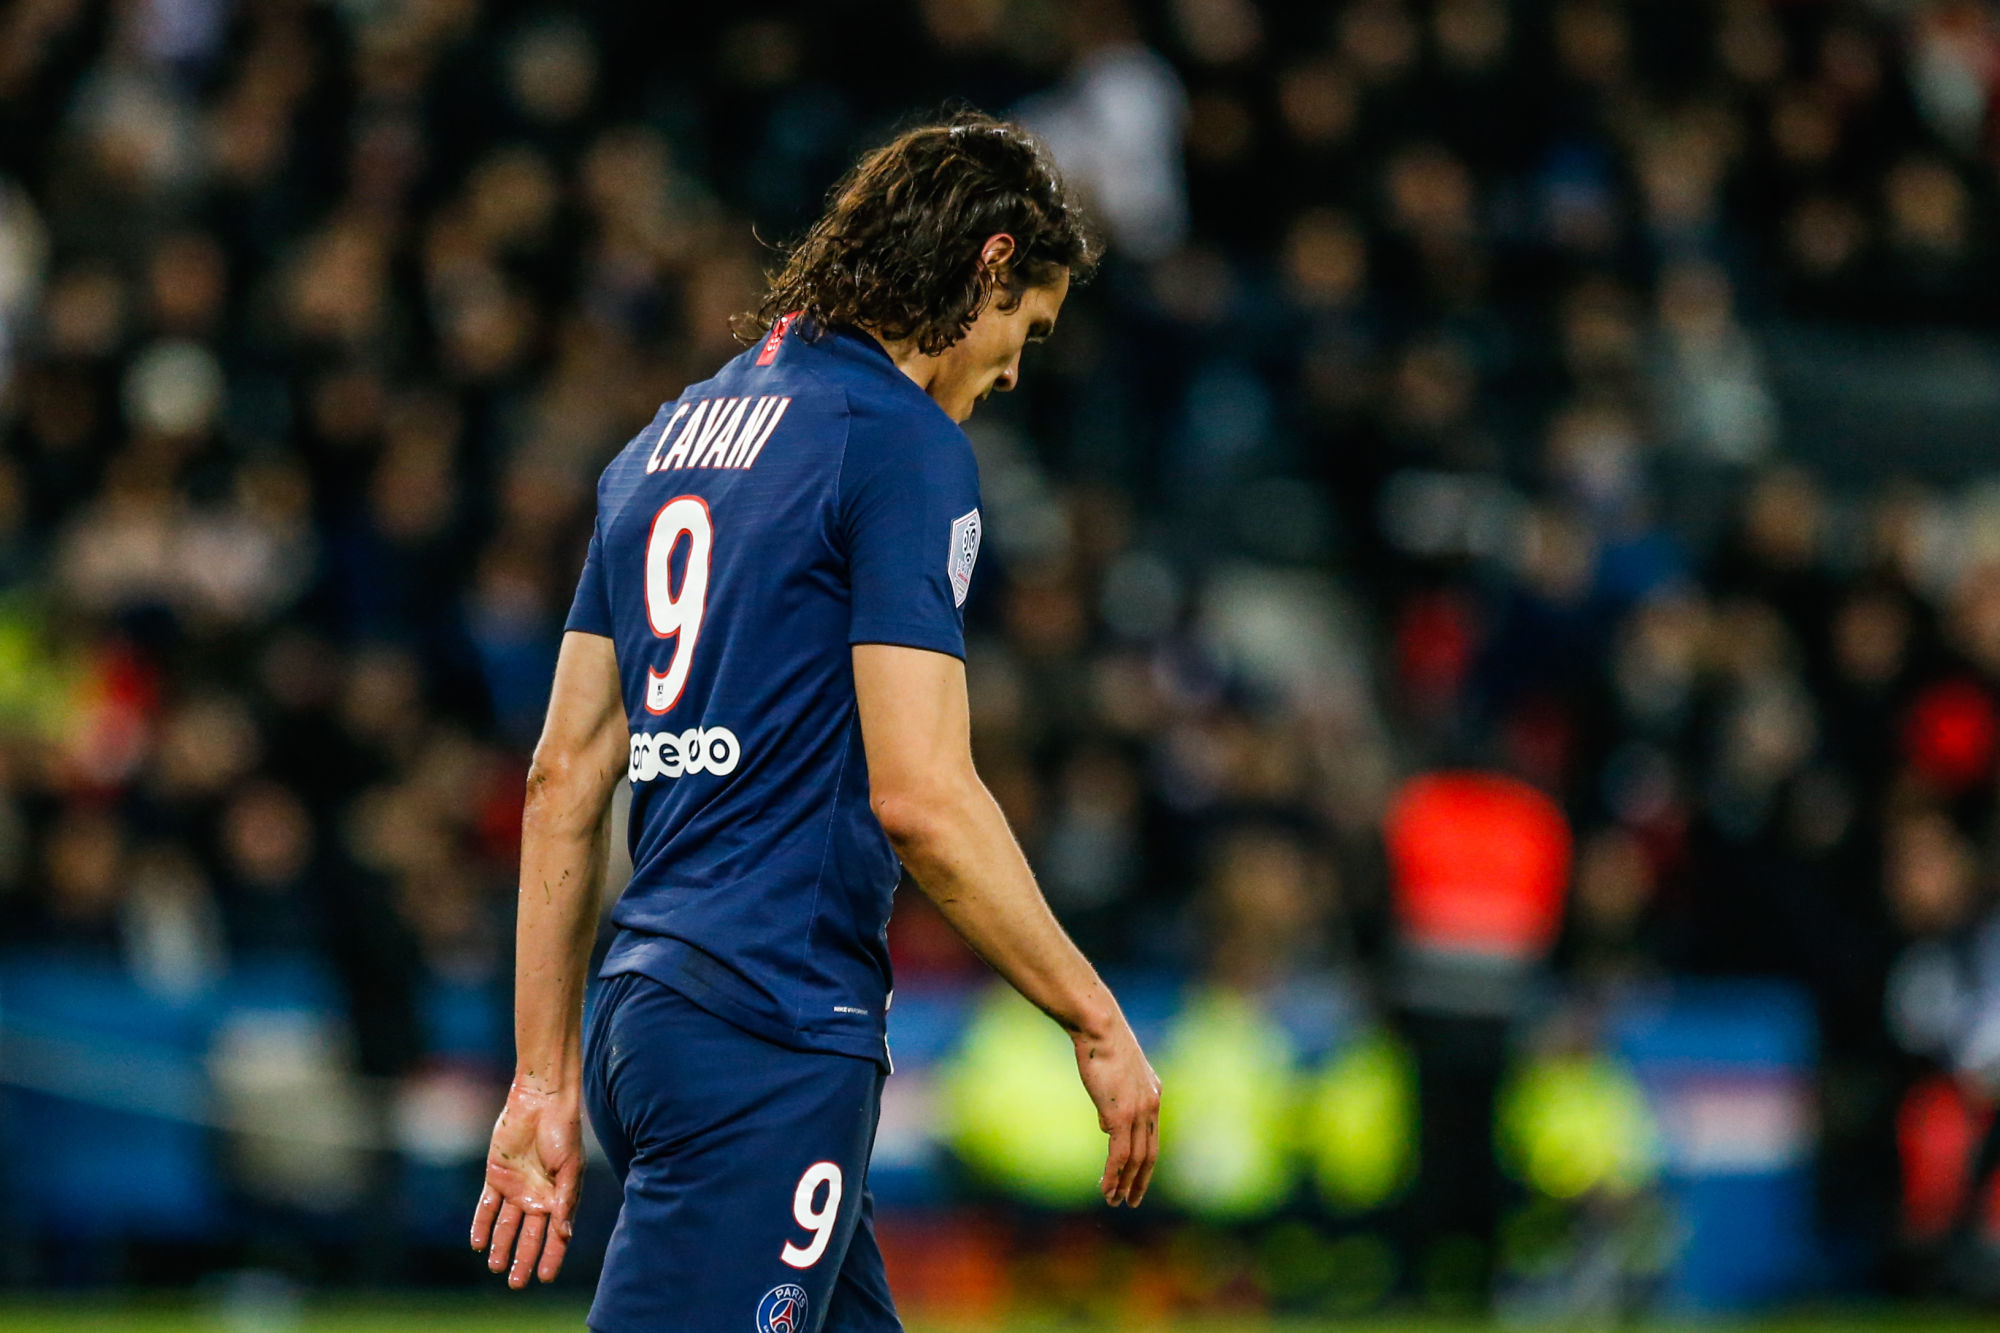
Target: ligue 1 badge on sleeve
(964, 555)
(783, 1310)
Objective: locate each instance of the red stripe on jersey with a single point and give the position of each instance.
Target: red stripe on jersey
(769, 352)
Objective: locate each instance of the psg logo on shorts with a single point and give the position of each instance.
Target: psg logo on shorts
(783, 1310)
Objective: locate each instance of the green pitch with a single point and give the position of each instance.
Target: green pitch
(484, 1316)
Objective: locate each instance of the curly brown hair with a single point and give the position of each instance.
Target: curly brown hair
(898, 249)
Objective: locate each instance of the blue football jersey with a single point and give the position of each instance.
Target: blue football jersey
(808, 498)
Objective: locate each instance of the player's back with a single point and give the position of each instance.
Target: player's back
(808, 497)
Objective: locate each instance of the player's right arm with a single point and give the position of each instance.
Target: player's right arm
(953, 839)
(535, 1162)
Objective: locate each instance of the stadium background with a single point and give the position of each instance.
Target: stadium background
(1490, 629)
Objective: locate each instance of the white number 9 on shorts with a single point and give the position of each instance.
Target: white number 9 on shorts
(817, 1221)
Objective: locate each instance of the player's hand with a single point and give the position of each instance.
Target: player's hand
(533, 1170)
(1127, 1093)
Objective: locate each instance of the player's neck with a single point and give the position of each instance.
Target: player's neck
(919, 366)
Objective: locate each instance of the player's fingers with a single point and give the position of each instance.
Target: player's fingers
(562, 1222)
(1150, 1159)
(553, 1250)
(569, 1183)
(503, 1237)
(527, 1250)
(483, 1215)
(1128, 1179)
(1119, 1154)
(1146, 1145)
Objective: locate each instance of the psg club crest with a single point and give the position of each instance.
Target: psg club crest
(783, 1310)
(964, 555)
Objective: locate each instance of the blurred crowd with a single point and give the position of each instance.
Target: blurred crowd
(1422, 417)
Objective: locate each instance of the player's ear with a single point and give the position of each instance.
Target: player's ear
(998, 251)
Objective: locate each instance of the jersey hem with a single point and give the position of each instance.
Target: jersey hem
(661, 958)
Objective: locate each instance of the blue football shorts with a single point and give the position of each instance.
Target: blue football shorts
(745, 1174)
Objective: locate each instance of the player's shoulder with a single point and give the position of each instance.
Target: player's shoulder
(887, 413)
(888, 431)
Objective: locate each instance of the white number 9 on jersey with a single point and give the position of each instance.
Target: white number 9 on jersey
(818, 1221)
(676, 616)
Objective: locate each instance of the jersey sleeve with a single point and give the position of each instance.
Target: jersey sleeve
(910, 518)
(590, 610)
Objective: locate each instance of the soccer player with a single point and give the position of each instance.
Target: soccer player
(767, 643)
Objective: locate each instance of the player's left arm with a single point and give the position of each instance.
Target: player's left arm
(950, 834)
(535, 1162)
